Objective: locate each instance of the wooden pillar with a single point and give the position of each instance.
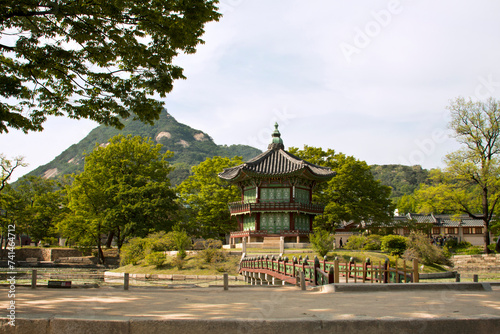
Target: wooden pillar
(292, 222)
(416, 277)
(336, 278)
(257, 221)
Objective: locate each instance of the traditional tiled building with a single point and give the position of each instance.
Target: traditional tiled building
(463, 228)
(276, 195)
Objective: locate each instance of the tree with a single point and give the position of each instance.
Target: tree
(322, 241)
(124, 189)
(205, 197)
(99, 59)
(8, 167)
(40, 205)
(470, 183)
(353, 194)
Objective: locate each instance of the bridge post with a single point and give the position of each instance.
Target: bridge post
(386, 271)
(316, 267)
(336, 273)
(331, 276)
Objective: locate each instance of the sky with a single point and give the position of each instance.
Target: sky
(367, 78)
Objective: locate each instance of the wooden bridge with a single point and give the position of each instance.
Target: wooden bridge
(277, 270)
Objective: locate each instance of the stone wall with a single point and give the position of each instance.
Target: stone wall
(477, 263)
(42, 254)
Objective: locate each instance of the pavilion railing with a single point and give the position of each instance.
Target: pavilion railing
(321, 272)
(236, 207)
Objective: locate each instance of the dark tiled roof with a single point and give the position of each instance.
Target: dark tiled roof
(275, 162)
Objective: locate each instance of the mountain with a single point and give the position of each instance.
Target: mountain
(190, 147)
(402, 179)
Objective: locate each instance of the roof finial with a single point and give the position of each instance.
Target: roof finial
(277, 142)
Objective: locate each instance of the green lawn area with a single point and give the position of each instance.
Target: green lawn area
(193, 265)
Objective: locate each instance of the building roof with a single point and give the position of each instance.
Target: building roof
(276, 162)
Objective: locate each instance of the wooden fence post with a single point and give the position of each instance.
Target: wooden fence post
(386, 272)
(226, 282)
(33, 279)
(125, 281)
(365, 266)
(416, 277)
(316, 268)
(324, 263)
(336, 276)
(331, 276)
(302, 281)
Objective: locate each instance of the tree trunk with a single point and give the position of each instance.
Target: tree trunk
(486, 237)
(486, 220)
(111, 235)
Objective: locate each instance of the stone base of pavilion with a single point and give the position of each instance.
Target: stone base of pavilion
(265, 239)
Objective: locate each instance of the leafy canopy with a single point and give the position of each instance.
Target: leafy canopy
(100, 59)
(205, 197)
(470, 183)
(124, 189)
(353, 194)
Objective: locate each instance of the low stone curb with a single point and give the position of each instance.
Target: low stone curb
(477, 325)
(358, 287)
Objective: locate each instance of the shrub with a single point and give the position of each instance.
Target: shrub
(156, 259)
(393, 244)
(133, 251)
(160, 242)
(355, 242)
(473, 250)
(178, 261)
(211, 252)
(373, 242)
(181, 241)
(322, 242)
(420, 248)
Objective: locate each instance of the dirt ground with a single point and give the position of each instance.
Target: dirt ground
(254, 303)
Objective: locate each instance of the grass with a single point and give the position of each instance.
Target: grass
(193, 265)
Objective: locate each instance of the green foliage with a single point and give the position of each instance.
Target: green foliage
(160, 242)
(373, 242)
(179, 261)
(353, 194)
(394, 244)
(181, 242)
(133, 251)
(35, 205)
(124, 189)
(205, 198)
(469, 184)
(7, 167)
(156, 259)
(356, 242)
(419, 247)
(212, 252)
(99, 60)
(402, 179)
(322, 241)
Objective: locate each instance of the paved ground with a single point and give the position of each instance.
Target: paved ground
(248, 303)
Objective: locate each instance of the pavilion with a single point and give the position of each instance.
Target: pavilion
(276, 195)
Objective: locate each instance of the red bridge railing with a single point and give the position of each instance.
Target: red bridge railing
(321, 272)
